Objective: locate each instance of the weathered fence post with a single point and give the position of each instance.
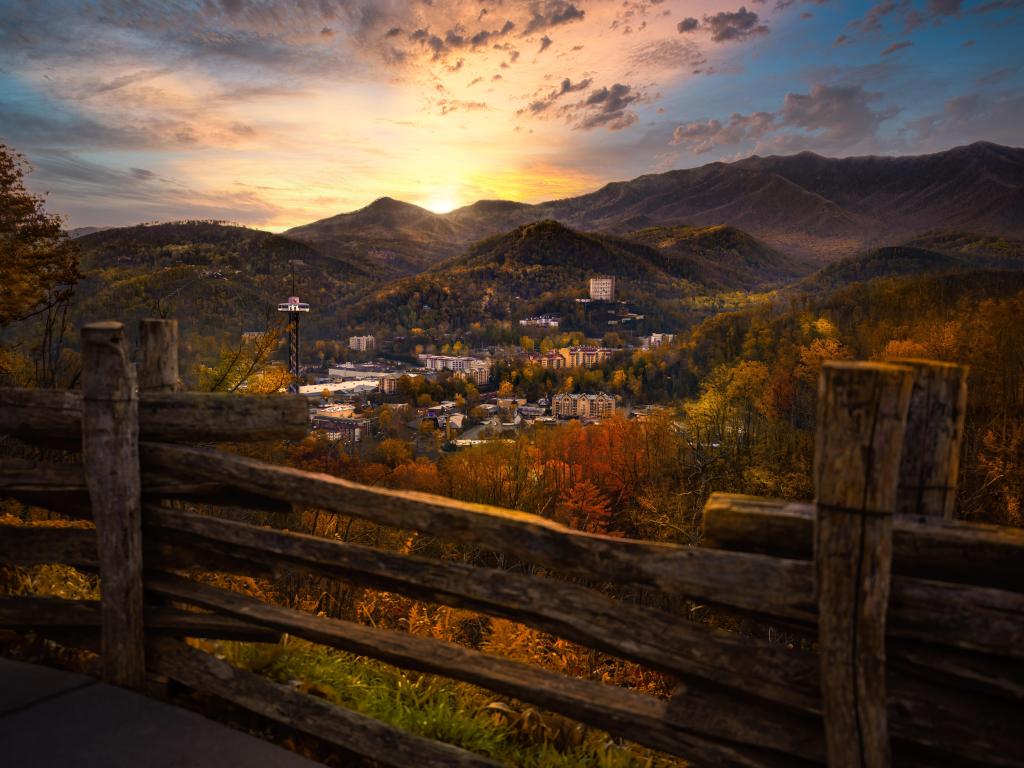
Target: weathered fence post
(935, 430)
(110, 448)
(158, 355)
(862, 411)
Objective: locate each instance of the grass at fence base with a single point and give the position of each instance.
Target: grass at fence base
(437, 708)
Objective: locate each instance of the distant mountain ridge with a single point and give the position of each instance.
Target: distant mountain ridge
(805, 205)
(931, 253)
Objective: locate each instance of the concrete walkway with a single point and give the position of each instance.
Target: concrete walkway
(51, 719)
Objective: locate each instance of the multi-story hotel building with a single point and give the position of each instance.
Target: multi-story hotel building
(553, 360)
(584, 357)
(361, 343)
(602, 288)
(584, 406)
(470, 368)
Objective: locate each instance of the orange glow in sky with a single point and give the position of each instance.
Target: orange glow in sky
(280, 112)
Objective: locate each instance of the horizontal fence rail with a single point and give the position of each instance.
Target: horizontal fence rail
(50, 418)
(929, 548)
(935, 673)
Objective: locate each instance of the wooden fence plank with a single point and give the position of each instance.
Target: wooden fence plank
(964, 724)
(862, 412)
(772, 587)
(353, 732)
(762, 584)
(48, 417)
(937, 549)
(57, 487)
(576, 613)
(158, 355)
(110, 454)
(214, 546)
(203, 417)
(39, 544)
(689, 733)
(930, 464)
(47, 614)
(62, 488)
(52, 418)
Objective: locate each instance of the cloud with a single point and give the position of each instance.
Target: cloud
(996, 76)
(897, 47)
(934, 13)
(968, 116)
(704, 136)
(829, 117)
(567, 86)
(551, 13)
(736, 25)
(606, 107)
(545, 43)
(109, 195)
(667, 54)
(726, 26)
(842, 113)
(447, 106)
(872, 20)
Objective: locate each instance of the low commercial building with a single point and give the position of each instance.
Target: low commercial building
(541, 321)
(342, 429)
(361, 371)
(339, 388)
(582, 406)
(335, 410)
(657, 339)
(532, 411)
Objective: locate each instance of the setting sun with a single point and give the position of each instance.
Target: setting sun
(442, 203)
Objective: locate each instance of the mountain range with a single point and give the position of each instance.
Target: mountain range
(801, 223)
(814, 208)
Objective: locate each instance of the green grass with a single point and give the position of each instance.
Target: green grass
(436, 708)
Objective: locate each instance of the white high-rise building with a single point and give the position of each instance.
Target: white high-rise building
(602, 288)
(361, 343)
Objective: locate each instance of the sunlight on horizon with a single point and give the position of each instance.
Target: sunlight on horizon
(441, 203)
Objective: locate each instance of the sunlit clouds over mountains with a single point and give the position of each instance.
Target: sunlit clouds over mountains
(278, 112)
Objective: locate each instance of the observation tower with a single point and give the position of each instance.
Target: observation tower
(294, 308)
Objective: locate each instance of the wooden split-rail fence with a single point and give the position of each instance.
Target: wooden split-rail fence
(913, 623)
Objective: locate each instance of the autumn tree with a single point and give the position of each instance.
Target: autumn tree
(585, 508)
(38, 261)
(394, 452)
(246, 365)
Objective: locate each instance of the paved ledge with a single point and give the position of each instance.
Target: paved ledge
(50, 718)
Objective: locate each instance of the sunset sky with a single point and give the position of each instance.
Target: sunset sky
(276, 113)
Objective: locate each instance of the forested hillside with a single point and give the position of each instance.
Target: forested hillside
(758, 370)
(538, 267)
(929, 254)
(216, 278)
